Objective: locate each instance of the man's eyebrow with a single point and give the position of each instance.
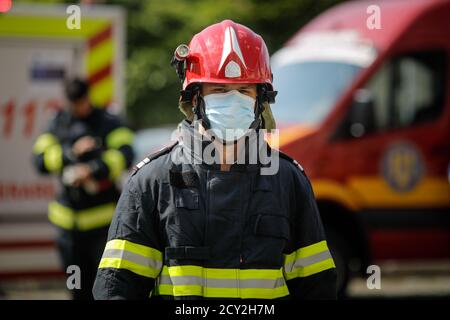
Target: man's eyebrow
(217, 86)
(245, 86)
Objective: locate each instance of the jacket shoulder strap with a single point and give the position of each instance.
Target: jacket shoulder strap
(288, 158)
(153, 156)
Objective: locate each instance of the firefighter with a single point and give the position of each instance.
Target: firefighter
(186, 228)
(87, 148)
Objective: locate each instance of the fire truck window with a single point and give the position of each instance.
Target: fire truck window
(409, 89)
(380, 86)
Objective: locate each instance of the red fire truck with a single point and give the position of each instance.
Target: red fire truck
(364, 106)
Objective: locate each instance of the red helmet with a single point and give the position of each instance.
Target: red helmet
(227, 52)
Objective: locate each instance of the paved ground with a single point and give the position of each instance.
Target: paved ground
(418, 280)
(397, 281)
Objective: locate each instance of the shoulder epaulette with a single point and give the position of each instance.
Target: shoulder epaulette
(153, 156)
(295, 162)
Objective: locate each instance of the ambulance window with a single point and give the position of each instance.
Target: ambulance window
(409, 89)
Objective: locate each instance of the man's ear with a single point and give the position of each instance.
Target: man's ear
(194, 100)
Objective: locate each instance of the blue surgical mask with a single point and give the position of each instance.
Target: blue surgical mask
(231, 110)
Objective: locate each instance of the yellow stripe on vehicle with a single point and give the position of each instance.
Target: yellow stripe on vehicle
(101, 92)
(48, 26)
(100, 56)
(374, 192)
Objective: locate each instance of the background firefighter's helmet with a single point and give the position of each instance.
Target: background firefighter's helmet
(227, 52)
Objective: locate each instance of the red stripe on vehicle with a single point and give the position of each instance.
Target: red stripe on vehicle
(100, 37)
(27, 244)
(410, 244)
(32, 274)
(100, 74)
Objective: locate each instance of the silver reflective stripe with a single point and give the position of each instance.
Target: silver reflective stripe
(221, 283)
(133, 257)
(307, 261)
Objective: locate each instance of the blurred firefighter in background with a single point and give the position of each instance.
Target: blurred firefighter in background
(88, 149)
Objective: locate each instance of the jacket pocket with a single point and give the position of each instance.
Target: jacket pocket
(267, 240)
(185, 220)
(186, 198)
(271, 225)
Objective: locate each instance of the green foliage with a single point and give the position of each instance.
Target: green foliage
(156, 27)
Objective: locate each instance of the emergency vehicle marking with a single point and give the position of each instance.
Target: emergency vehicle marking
(402, 166)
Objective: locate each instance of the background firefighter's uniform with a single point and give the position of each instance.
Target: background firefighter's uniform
(202, 232)
(83, 215)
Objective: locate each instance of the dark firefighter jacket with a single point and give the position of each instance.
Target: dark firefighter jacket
(83, 208)
(184, 231)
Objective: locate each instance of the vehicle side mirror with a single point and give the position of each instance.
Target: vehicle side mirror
(362, 117)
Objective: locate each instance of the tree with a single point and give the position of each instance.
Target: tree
(156, 27)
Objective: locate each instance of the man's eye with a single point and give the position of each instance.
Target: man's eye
(245, 91)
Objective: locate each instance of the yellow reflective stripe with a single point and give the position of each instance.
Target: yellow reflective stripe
(48, 26)
(119, 137)
(197, 271)
(128, 265)
(95, 217)
(61, 215)
(115, 161)
(43, 142)
(307, 261)
(100, 56)
(188, 290)
(82, 220)
(140, 259)
(310, 270)
(135, 248)
(101, 92)
(53, 158)
(306, 251)
(218, 283)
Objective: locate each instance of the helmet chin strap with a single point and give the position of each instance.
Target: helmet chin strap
(258, 123)
(199, 110)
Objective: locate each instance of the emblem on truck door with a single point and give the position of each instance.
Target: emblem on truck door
(402, 166)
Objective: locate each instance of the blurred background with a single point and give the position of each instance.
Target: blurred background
(363, 105)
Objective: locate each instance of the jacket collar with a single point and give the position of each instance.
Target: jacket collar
(197, 149)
